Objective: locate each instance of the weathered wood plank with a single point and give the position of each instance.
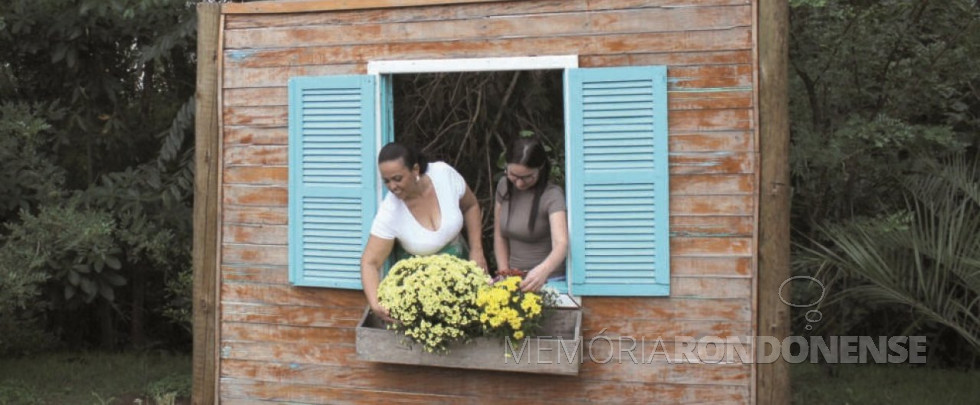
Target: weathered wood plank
(246, 293)
(712, 163)
(321, 353)
(251, 401)
(610, 308)
(242, 214)
(257, 175)
(255, 195)
(733, 141)
(649, 332)
(302, 6)
(704, 184)
(720, 77)
(711, 246)
(233, 389)
(571, 391)
(485, 386)
(670, 59)
(711, 226)
(622, 367)
(664, 19)
(456, 12)
(343, 317)
(710, 120)
(259, 234)
(710, 287)
(595, 22)
(258, 96)
(700, 100)
(343, 55)
(256, 274)
(278, 76)
(390, 15)
(262, 116)
(261, 255)
(255, 136)
(712, 205)
(654, 350)
(453, 382)
(287, 334)
(256, 155)
(603, 4)
(711, 266)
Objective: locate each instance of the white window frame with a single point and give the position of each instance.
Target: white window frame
(564, 62)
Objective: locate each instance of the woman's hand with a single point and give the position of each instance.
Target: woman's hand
(535, 279)
(374, 255)
(382, 312)
(480, 261)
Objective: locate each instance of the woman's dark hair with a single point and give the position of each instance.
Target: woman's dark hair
(408, 154)
(529, 151)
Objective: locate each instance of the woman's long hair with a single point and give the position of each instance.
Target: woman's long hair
(528, 151)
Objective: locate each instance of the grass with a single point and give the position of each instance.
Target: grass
(869, 384)
(92, 378)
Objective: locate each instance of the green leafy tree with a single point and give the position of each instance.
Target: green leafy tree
(114, 80)
(30, 179)
(875, 86)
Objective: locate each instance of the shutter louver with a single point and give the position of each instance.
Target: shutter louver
(332, 192)
(619, 181)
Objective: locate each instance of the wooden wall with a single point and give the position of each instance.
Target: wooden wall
(280, 343)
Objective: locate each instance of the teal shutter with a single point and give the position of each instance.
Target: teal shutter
(618, 181)
(332, 180)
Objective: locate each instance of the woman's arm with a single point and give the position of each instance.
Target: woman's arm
(538, 276)
(501, 248)
(472, 218)
(375, 253)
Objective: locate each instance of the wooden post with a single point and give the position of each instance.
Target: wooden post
(772, 380)
(206, 206)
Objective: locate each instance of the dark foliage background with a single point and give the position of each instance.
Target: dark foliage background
(885, 98)
(96, 106)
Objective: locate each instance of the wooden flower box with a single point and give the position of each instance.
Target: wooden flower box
(556, 350)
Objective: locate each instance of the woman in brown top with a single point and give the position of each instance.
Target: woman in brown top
(530, 230)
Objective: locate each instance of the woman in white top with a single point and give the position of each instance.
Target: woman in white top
(425, 211)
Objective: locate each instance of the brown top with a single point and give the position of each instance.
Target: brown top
(528, 248)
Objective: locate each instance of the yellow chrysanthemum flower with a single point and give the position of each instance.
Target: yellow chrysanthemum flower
(433, 298)
(508, 311)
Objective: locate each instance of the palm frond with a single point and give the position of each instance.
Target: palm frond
(928, 263)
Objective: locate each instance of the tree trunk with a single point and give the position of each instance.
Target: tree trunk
(137, 335)
(106, 326)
